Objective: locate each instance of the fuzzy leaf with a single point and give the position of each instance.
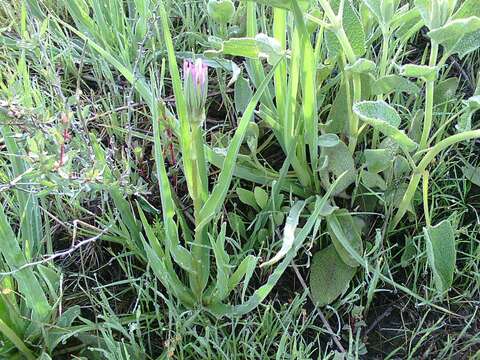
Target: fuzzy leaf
(461, 36)
(221, 11)
(342, 228)
(423, 72)
(353, 28)
(373, 180)
(385, 119)
(329, 276)
(394, 83)
(361, 66)
(378, 160)
(472, 173)
(328, 140)
(261, 46)
(441, 253)
(445, 90)
(338, 161)
(242, 94)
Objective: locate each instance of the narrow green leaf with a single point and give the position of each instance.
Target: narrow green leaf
(28, 284)
(216, 198)
(288, 233)
(260, 294)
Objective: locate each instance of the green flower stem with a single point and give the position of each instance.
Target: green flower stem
(357, 96)
(422, 166)
(427, 123)
(201, 164)
(200, 252)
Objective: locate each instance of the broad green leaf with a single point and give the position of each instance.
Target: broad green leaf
(401, 167)
(378, 160)
(393, 83)
(472, 173)
(407, 24)
(435, 12)
(329, 276)
(441, 253)
(328, 140)
(339, 160)
(261, 46)
(261, 197)
(353, 28)
(375, 6)
(385, 119)
(288, 233)
(373, 180)
(445, 90)
(461, 36)
(242, 94)
(339, 111)
(467, 8)
(465, 121)
(361, 66)
(341, 228)
(247, 197)
(424, 72)
(383, 10)
(221, 11)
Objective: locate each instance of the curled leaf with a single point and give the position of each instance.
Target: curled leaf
(288, 233)
(385, 119)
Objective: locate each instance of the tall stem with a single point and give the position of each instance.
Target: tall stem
(382, 72)
(427, 123)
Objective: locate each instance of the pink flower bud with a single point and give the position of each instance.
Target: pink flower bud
(195, 86)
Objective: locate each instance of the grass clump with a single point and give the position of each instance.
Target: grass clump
(239, 179)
